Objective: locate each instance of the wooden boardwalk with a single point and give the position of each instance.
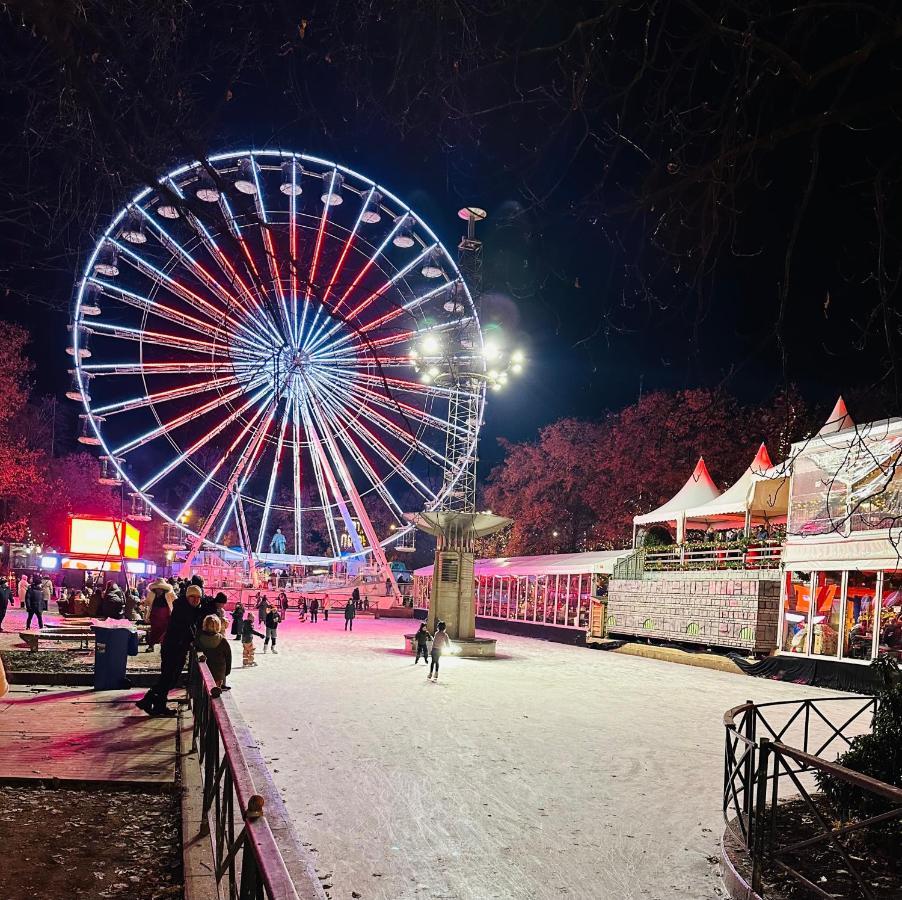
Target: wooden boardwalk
(77, 735)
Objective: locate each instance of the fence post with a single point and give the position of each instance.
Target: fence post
(751, 730)
(757, 830)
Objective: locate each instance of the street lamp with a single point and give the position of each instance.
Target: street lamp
(494, 365)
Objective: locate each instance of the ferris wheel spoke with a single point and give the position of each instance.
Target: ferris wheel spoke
(237, 472)
(360, 458)
(393, 340)
(257, 318)
(326, 462)
(188, 390)
(190, 416)
(293, 252)
(412, 387)
(228, 300)
(404, 308)
(273, 475)
(339, 265)
(241, 486)
(375, 295)
(365, 395)
(304, 333)
(167, 313)
(371, 261)
(325, 503)
(177, 289)
(355, 412)
(253, 271)
(264, 394)
(256, 417)
(158, 339)
(298, 520)
(163, 368)
(356, 501)
(270, 252)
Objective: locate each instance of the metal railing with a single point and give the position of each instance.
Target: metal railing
(630, 568)
(762, 770)
(686, 557)
(249, 864)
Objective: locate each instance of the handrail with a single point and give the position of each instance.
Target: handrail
(756, 766)
(681, 557)
(252, 859)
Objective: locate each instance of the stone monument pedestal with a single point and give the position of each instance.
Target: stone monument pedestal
(451, 599)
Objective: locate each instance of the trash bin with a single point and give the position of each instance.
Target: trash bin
(114, 641)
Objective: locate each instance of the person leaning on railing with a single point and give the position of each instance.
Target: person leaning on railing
(179, 637)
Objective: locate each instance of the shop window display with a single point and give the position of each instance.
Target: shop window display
(891, 616)
(859, 617)
(795, 612)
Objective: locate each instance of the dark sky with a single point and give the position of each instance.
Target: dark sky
(557, 275)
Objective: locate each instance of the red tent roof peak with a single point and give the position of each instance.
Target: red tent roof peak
(838, 420)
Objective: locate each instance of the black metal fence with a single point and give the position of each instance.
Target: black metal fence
(248, 860)
(772, 751)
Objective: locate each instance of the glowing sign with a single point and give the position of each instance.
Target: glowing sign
(104, 537)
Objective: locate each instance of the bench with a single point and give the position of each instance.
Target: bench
(31, 638)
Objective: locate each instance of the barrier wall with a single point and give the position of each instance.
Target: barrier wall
(716, 609)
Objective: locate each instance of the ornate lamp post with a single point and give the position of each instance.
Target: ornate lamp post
(464, 372)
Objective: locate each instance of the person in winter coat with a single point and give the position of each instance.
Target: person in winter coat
(237, 620)
(180, 635)
(262, 603)
(215, 649)
(22, 590)
(302, 609)
(314, 609)
(350, 612)
(282, 603)
(440, 643)
(160, 598)
(34, 603)
(113, 602)
(422, 638)
(47, 588)
(6, 596)
(247, 640)
(273, 617)
(355, 598)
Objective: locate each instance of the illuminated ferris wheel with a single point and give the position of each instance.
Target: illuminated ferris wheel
(248, 342)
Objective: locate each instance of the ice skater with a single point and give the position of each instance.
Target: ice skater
(272, 623)
(314, 609)
(439, 643)
(350, 612)
(422, 638)
(247, 640)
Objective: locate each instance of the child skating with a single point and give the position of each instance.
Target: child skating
(247, 640)
(272, 623)
(422, 638)
(440, 643)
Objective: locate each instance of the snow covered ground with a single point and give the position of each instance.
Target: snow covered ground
(551, 772)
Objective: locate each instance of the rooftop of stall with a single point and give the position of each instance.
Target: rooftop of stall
(841, 597)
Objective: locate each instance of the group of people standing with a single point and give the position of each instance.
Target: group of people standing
(268, 617)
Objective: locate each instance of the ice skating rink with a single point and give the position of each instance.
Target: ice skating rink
(551, 772)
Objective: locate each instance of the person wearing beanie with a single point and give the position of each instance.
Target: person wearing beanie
(177, 642)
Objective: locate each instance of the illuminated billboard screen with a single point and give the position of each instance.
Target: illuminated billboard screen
(104, 537)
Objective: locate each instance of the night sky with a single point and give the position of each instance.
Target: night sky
(554, 276)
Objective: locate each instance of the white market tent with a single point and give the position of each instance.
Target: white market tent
(598, 561)
(698, 490)
(760, 493)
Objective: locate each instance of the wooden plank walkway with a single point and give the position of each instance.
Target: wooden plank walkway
(79, 735)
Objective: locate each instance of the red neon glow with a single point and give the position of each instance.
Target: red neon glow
(104, 537)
